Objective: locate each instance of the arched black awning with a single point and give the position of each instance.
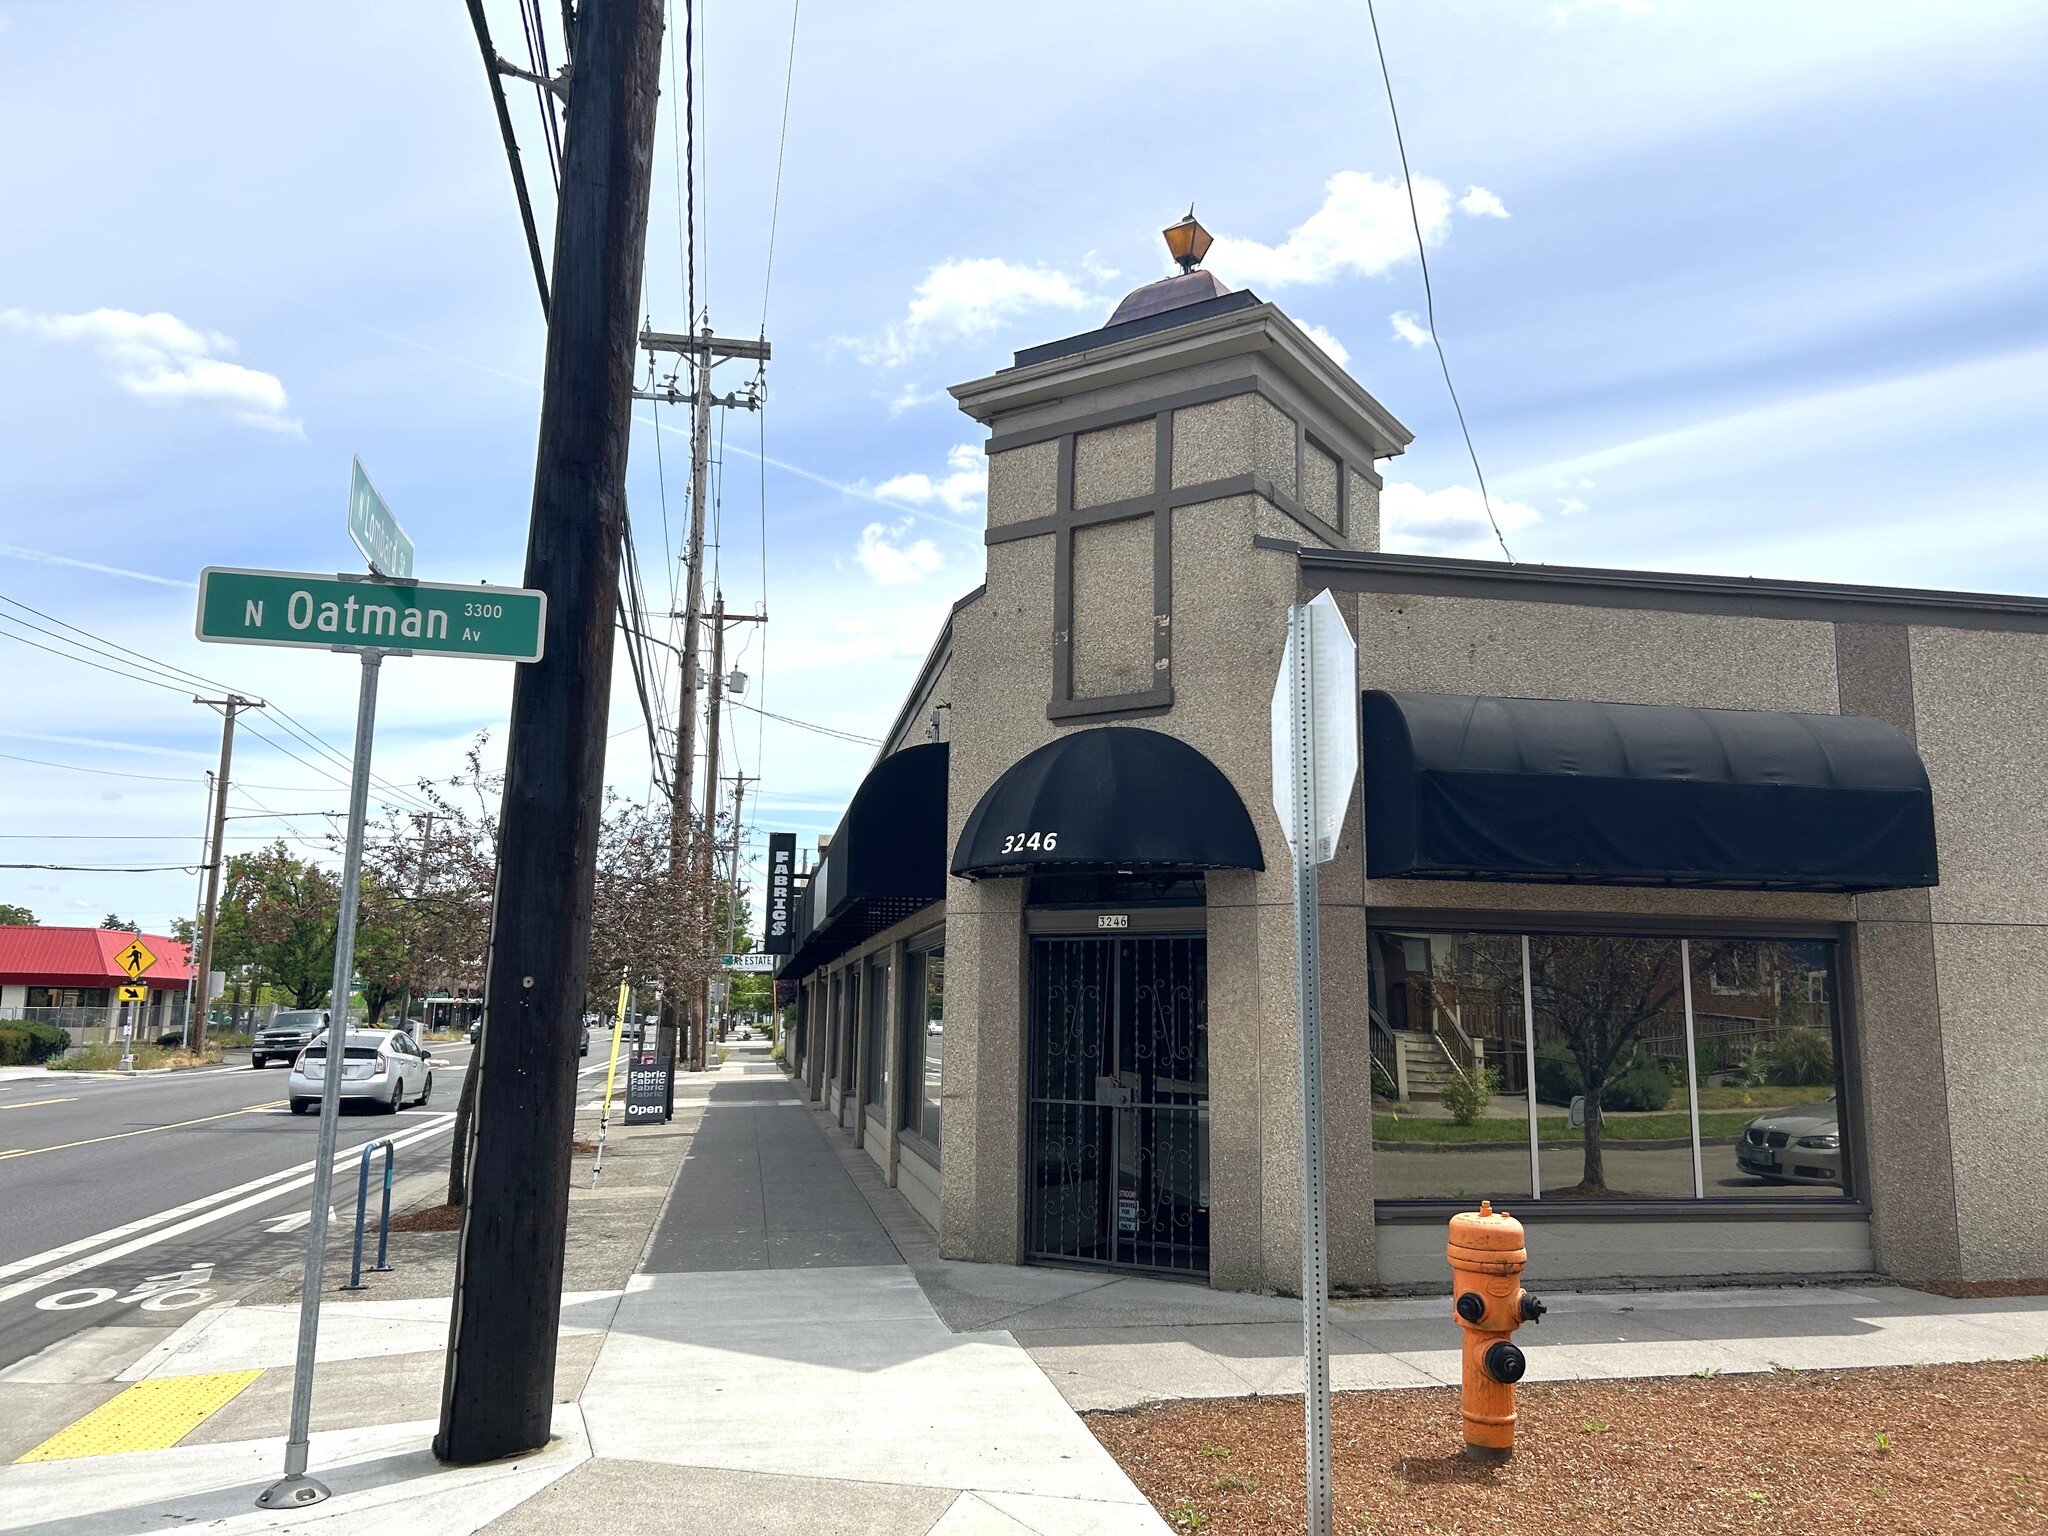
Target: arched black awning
(1113, 796)
(1635, 794)
(885, 862)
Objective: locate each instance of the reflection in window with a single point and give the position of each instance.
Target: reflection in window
(873, 1076)
(1610, 1052)
(1599, 1040)
(1449, 1067)
(1764, 1039)
(924, 1041)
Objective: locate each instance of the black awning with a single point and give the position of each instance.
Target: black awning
(885, 862)
(1638, 794)
(1115, 795)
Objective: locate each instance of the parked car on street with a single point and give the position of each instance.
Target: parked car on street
(286, 1035)
(384, 1067)
(1801, 1144)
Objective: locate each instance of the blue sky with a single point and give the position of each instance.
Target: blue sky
(1752, 288)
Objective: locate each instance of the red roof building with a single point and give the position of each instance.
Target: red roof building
(68, 976)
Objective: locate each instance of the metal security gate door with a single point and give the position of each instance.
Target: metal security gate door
(1118, 1116)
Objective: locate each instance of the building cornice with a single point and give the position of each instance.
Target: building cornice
(1672, 591)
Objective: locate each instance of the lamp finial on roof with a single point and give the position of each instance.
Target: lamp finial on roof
(1187, 241)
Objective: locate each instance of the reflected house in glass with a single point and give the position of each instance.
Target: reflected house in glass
(1696, 919)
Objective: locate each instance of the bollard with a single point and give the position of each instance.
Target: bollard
(1487, 1250)
(355, 1268)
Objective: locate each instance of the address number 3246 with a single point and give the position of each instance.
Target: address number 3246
(1038, 842)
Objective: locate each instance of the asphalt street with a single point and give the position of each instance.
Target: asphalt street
(138, 1202)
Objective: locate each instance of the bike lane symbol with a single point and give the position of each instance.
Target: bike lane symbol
(174, 1292)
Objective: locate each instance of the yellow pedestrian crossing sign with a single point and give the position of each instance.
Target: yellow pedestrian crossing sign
(135, 959)
(134, 992)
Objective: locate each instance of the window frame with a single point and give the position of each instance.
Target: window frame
(1854, 1203)
(918, 953)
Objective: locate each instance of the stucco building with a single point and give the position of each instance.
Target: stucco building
(1702, 922)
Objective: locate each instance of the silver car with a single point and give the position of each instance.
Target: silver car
(1798, 1145)
(384, 1067)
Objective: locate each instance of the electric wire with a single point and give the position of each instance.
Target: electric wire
(173, 678)
(1428, 294)
(806, 725)
(781, 144)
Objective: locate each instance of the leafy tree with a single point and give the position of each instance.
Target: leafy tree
(183, 931)
(116, 921)
(279, 914)
(12, 916)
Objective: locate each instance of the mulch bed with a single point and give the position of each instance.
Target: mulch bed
(1924, 1449)
(433, 1218)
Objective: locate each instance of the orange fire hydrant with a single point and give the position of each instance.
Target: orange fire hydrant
(1487, 1251)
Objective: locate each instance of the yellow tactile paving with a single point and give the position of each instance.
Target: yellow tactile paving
(149, 1416)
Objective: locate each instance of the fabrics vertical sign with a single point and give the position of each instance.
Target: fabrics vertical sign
(781, 887)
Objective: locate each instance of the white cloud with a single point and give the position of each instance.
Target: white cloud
(960, 300)
(1451, 521)
(961, 490)
(159, 358)
(909, 397)
(892, 558)
(1327, 342)
(1571, 506)
(1362, 229)
(1408, 327)
(1481, 204)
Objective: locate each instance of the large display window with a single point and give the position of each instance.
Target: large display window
(1592, 1067)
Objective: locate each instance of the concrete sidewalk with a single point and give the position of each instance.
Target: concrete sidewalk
(778, 1347)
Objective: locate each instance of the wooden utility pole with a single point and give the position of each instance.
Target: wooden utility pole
(497, 1395)
(713, 711)
(732, 901)
(201, 964)
(703, 350)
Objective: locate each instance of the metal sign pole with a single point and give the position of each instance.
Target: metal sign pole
(296, 1489)
(1315, 1286)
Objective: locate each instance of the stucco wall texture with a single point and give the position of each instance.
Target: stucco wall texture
(1112, 607)
(1949, 1034)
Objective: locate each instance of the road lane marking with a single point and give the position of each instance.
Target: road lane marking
(147, 1130)
(292, 1179)
(38, 1103)
(149, 1416)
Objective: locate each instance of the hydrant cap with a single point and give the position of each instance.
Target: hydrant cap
(1486, 1236)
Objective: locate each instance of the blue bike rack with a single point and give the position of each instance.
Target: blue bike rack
(355, 1268)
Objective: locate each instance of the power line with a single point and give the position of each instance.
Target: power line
(806, 725)
(171, 677)
(1428, 295)
(781, 143)
(115, 869)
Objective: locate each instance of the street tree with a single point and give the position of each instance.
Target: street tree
(279, 914)
(12, 916)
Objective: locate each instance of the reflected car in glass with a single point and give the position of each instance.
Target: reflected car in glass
(1801, 1144)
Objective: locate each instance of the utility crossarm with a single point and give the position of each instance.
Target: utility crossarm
(698, 346)
(558, 86)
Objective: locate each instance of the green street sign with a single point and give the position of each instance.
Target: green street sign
(341, 613)
(375, 530)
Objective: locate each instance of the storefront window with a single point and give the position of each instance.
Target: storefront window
(1610, 1055)
(924, 1041)
(1770, 1078)
(1599, 1038)
(873, 1076)
(1449, 1066)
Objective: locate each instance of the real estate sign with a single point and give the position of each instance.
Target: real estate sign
(329, 613)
